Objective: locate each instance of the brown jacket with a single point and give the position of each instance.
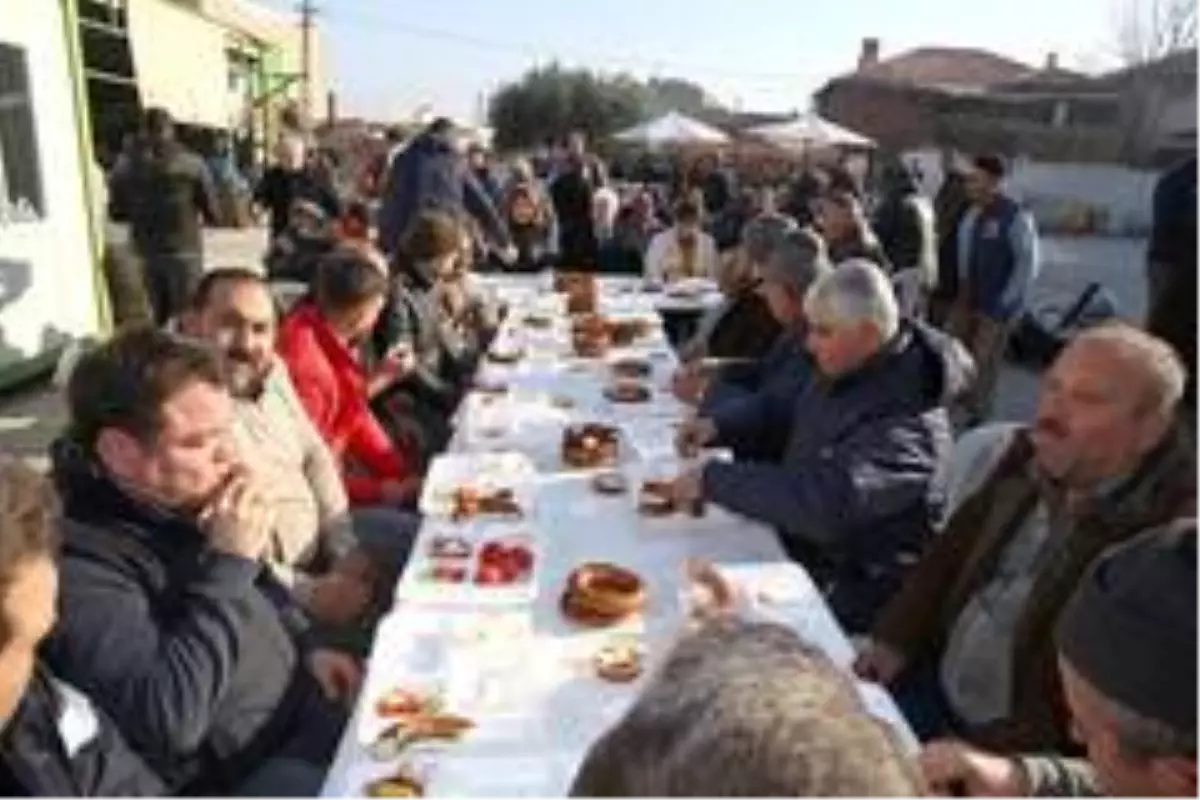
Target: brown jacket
(962, 559)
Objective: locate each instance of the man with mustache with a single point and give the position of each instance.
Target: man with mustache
(967, 645)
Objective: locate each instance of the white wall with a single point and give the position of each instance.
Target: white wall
(47, 279)
(1117, 197)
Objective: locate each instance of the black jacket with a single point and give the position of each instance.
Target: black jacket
(164, 191)
(58, 744)
(745, 330)
(280, 187)
(194, 654)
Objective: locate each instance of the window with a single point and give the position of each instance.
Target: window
(21, 198)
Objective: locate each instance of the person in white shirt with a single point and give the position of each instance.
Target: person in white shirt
(682, 251)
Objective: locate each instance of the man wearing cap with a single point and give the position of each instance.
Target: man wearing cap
(966, 645)
(1127, 658)
(998, 263)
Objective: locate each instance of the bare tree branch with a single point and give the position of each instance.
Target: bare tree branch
(1149, 30)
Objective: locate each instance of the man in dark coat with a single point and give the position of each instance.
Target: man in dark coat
(295, 178)
(572, 191)
(859, 481)
(164, 190)
(169, 619)
(432, 173)
(53, 741)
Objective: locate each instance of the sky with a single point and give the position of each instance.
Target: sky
(386, 59)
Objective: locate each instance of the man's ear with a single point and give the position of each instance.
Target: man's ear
(118, 451)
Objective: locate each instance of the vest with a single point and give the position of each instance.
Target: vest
(991, 260)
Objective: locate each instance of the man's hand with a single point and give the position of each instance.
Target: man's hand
(878, 662)
(239, 518)
(710, 595)
(953, 769)
(339, 599)
(396, 493)
(693, 435)
(688, 489)
(338, 674)
(508, 255)
(688, 384)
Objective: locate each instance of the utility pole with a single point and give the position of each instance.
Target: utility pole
(308, 11)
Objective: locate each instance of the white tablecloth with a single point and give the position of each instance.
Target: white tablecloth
(518, 668)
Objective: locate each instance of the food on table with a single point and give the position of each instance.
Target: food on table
(625, 332)
(446, 572)
(657, 499)
(537, 321)
(401, 784)
(468, 502)
(562, 401)
(627, 391)
(490, 387)
(618, 662)
(590, 445)
(505, 354)
(612, 483)
(449, 547)
(426, 725)
(580, 289)
(504, 563)
(401, 702)
(632, 368)
(590, 336)
(599, 594)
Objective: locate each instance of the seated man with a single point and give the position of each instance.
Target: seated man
(53, 741)
(1127, 658)
(742, 326)
(858, 485)
(335, 561)
(747, 710)
(682, 251)
(320, 343)
(793, 264)
(966, 644)
(167, 618)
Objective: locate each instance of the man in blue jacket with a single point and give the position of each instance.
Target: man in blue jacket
(53, 741)
(998, 262)
(859, 482)
(432, 173)
(169, 619)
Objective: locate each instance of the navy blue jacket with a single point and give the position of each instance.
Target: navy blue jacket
(194, 654)
(783, 360)
(998, 258)
(431, 174)
(58, 744)
(860, 481)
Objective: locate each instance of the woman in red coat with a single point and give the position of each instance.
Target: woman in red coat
(319, 343)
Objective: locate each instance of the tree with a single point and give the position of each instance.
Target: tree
(550, 102)
(1151, 36)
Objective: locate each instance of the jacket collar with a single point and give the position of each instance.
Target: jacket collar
(337, 351)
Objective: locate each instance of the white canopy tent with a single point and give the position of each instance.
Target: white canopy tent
(809, 131)
(672, 129)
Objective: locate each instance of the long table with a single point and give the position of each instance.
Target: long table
(513, 663)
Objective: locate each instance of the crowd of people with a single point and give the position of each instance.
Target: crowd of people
(187, 598)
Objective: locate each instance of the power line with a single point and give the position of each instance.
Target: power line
(537, 52)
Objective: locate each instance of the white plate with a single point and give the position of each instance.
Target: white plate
(495, 470)
(417, 586)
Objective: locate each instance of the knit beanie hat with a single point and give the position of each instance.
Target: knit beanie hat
(1130, 628)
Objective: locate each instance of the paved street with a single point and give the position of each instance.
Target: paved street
(30, 419)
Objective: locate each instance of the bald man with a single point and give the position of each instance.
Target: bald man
(967, 645)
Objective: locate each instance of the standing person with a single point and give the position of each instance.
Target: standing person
(904, 223)
(232, 186)
(572, 191)
(294, 177)
(719, 186)
(682, 251)
(806, 188)
(998, 261)
(165, 190)
(168, 619)
(480, 161)
(1172, 271)
(54, 742)
(847, 233)
(432, 173)
(949, 207)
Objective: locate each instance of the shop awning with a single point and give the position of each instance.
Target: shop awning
(180, 63)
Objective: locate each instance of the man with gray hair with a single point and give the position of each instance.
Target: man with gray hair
(745, 709)
(858, 484)
(1127, 657)
(966, 645)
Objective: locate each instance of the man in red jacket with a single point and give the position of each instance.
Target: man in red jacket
(319, 343)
